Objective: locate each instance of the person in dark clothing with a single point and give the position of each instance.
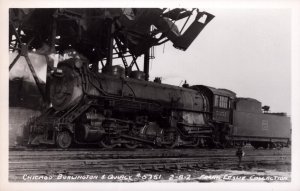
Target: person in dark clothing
(240, 153)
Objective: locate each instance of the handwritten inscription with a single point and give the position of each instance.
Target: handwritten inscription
(151, 177)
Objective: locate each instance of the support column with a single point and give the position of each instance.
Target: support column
(110, 41)
(146, 64)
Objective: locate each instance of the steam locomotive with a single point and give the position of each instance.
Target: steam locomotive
(112, 109)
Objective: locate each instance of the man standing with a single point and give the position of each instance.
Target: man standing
(240, 153)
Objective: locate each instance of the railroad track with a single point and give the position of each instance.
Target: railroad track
(137, 153)
(59, 162)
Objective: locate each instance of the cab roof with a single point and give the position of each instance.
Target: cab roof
(216, 91)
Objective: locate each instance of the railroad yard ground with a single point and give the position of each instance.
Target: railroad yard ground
(146, 165)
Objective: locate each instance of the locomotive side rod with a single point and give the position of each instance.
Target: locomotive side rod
(137, 139)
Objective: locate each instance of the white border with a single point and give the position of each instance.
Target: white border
(293, 5)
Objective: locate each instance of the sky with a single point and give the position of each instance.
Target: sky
(247, 51)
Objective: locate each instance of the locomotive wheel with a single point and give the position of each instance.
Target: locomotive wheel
(195, 142)
(106, 143)
(171, 139)
(265, 145)
(64, 139)
(225, 144)
(131, 145)
(279, 146)
(255, 145)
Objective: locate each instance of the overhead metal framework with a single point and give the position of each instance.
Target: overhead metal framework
(100, 35)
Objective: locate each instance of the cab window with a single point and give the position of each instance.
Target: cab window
(221, 102)
(216, 104)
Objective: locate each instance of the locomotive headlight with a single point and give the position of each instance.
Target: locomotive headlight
(78, 64)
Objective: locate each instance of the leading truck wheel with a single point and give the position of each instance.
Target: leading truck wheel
(64, 139)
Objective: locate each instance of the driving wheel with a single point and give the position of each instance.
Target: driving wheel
(64, 139)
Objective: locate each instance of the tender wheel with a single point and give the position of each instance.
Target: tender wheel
(265, 145)
(255, 145)
(277, 146)
(64, 139)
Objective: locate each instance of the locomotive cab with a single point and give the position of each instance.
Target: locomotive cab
(221, 103)
(221, 113)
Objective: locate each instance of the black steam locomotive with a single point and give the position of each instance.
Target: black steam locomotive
(111, 109)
